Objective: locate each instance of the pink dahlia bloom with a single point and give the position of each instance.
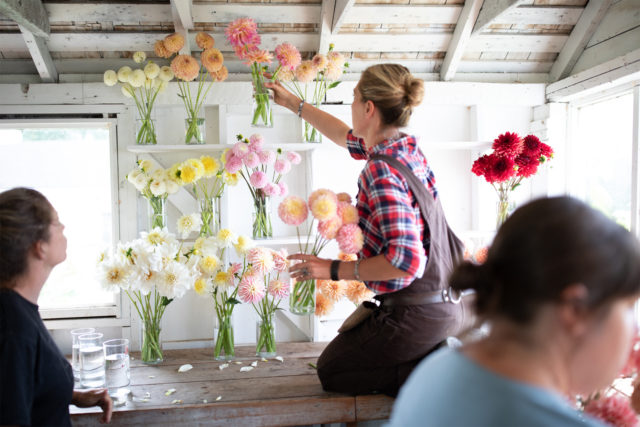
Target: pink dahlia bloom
(278, 288)
(280, 260)
(350, 239)
(235, 267)
(344, 197)
(305, 72)
(284, 189)
(258, 56)
(261, 259)
(288, 56)
(267, 157)
(271, 189)
(256, 142)
(258, 179)
(321, 192)
(329, 228)
(293, 210)
(282, 166)
(234, 164)
(240, 149)
(251, 289)
(294, 157)
(241, 32)
(324, 207)
(251, 160)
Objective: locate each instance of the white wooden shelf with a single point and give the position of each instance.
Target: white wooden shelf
(165, 148)
(457, 145)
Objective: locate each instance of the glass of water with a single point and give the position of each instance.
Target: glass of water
(91, 360)
(116, 356)
(75, 353)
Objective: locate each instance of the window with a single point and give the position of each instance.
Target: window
(73, 164)
(603, 141)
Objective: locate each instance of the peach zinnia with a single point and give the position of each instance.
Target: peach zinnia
(185, 67)
(204, 41)
(212, 59)
(174, 42)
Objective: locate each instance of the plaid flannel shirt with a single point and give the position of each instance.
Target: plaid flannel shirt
(388, 211)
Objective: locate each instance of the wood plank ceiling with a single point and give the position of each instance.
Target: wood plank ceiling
(520, 40)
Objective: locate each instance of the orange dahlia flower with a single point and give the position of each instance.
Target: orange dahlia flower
(174, 42)
(161, 50)
(220, 75)
(212, 59)
(204, 41)
(185, 67)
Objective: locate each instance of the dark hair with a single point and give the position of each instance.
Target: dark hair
(544, 247)
(393, 90)
(25, 216)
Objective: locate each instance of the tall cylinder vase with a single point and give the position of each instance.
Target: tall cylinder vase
(146, 131)
(224, 342)
(151, 342)
(194, 130)
(266, 336)
(504, 208)
(302, 299)
(262, 228)
(310, 134)
(210, 215)
(157, 212)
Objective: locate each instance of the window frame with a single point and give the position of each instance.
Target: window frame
(117, 314)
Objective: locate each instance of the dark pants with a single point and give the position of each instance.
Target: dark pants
(379, 354)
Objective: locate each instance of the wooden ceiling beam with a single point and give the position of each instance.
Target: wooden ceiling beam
(460, 38)
(40, 54)
(326, 22)
(578, 39)
(491, 10)
(29, 14)
(341, 10)
(182, 22)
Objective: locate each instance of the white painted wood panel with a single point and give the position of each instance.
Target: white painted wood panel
(621, 16)
(608, 50)
(517, 43)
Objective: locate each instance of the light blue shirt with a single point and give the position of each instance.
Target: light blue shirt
(450, 390)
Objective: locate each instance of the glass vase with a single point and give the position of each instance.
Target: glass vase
(504, 208)
(302, 300)
(210, 215)
(262, 115)
(310, 133)
(262, 228)
(157, 212)
(151, 347)
(146, 131)
(194, 130)
(223, 348)
(266, 336)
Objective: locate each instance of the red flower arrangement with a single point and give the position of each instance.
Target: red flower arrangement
(513, 159)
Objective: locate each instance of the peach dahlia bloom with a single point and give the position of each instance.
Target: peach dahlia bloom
(324, 305)
(174, 42)
(319, 62)
(212, 59)
(332, 289)
(357, 292)
(204, 41)
(220, 75)
(305, 72)
(288, 56)
(185, 67)
(161, 50)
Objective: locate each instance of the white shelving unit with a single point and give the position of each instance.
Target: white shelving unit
(165, 148)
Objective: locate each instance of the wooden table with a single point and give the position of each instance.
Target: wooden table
(273, 393)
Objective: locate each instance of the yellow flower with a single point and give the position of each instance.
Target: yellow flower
(200, 286)
(230, 178)
(209, 264)
(155, 238)
(211, 166)
(151, 70)
(198, 166)
(225, 237)
(110, 77)
(222, 279)
(145, 165)
(188, 174)
(243, 245)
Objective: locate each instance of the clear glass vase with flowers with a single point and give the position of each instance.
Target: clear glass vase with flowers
(220, 281)
(143, 86)
(513, 159)
(186, 69)
(262, 170)
(311, 79)
(262, 287)
(152, 271)
(155, 184)
(337, 219)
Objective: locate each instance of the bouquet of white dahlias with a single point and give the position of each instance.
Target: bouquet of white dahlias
(155, 184)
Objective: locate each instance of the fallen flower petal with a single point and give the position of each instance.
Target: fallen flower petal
(170, 392)
(204, 401)
(176, 401)
(218, 398)
(185, 368)
(254, 364)
(237, 363)
(152, 376)
(279, 358)
(223, 366)
(263, 360)
(246, 368)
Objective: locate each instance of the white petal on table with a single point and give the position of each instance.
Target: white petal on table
(185, 368)
(223, 366)
(254, 364)
(246, 368)
(279, 358)
(170, 392)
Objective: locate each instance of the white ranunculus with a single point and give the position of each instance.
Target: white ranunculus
(124, 73)
(137, 78)
(157, 188)
(188, 224)
(159, 174)
(140, 182)
(165, 73)
(152, 70)
(139, 56)
(110, 78)
(171, 186)
(131, 176)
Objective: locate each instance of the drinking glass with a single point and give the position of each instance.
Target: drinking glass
(116, 356)
(75, 354)
(91, 360)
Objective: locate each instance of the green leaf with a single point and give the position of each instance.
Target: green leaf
(166, 301)
(334, 84)
(233, 301)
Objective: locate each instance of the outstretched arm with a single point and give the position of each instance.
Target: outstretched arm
(330, 126)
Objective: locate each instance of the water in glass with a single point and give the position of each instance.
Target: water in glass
(91, 361)
(75, 352)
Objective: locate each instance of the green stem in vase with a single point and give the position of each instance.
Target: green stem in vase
(302, 298)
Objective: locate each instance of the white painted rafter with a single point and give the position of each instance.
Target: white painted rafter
(326, 22)
(182, 22)
(580, 36)
(30, 14)
(40, 54)
(341, 10)
(460, 38)
(491, 10)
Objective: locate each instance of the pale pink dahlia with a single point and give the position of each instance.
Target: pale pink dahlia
(261, 259)
(258, 179)
(256, 142)
(251, 289)
(234, 164)
(324, 207)
(251, 160)
(321, 192)
(282, 166)
(329, 228)
(288, 56)
(348, 213)
(280, 260)
(240, 149)
(271, 189)
(614, 410)
(284, 189)
(294, 157)
(319, 61)
(267, 157)
(350, 238)
(278, 288)
(305, 72)
(293, 210)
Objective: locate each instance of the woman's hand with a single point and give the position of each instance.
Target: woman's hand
(89, 398)
(282, 96)
(310, 267)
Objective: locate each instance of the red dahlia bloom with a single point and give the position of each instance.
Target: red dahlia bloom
(502, 169)
(613, 410)
(545, 150)
(531, 146)
(527, 165)
(481, 165)
(509, 144)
